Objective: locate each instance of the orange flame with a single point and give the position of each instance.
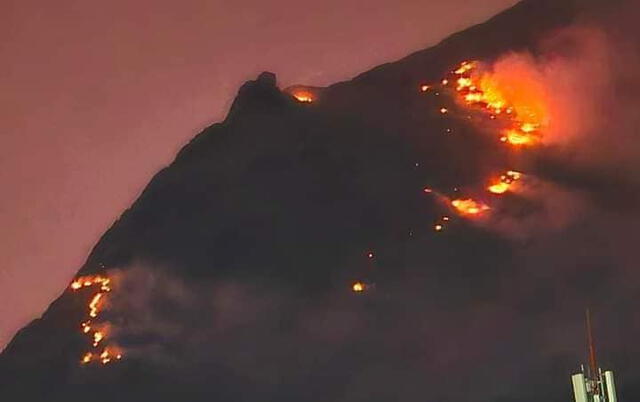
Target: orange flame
(469, 206)
(103, 285)
(358, 287)
(303, 96)
(86, 358)
(97, 337)
(505, 182)
(512, 95)
(110, 353)
(516, 137)
(499, 187)
(93, 306)
(509, 92)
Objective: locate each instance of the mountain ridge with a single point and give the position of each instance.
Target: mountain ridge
(279, 185)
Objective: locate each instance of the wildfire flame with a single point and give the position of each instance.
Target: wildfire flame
(439, 226)
(102, 286)
(505, 182)
(469, 206)
(509, 94)
(97, 337)
(110, 353)
(358, 287)
(518, 137)
(87, 358)
(518, 100)
(93, 306)
(303, 96)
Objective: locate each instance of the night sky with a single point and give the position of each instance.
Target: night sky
(97, 96)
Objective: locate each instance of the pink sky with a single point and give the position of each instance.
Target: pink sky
(98, 95)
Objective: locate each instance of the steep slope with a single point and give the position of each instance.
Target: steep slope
(233, 267)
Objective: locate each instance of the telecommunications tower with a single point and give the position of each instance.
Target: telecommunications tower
(594, 385)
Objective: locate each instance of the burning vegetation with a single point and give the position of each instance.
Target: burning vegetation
(519, 104)
(97, 332)
(511, 102)
(302, 94)
(513, 108)
(469, 207)
(505, 182)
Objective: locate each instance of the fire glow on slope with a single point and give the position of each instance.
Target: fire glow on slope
(504, 183)
(97, 332)
(303, 96)
(469, 207)
(510, 94)
(511, 100)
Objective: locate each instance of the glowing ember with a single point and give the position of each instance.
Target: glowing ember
(370, 255)
(469, 206)
(97, 337)
(440, 224)
(425, 88)
(444, 110)
(86, 358)
(358, 287)
(105, 357)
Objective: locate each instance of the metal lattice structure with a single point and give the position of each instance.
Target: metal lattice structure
(594, 384)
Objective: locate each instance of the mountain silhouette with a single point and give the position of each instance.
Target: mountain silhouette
(232, 271)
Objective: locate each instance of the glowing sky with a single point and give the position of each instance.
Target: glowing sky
(97, 96)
